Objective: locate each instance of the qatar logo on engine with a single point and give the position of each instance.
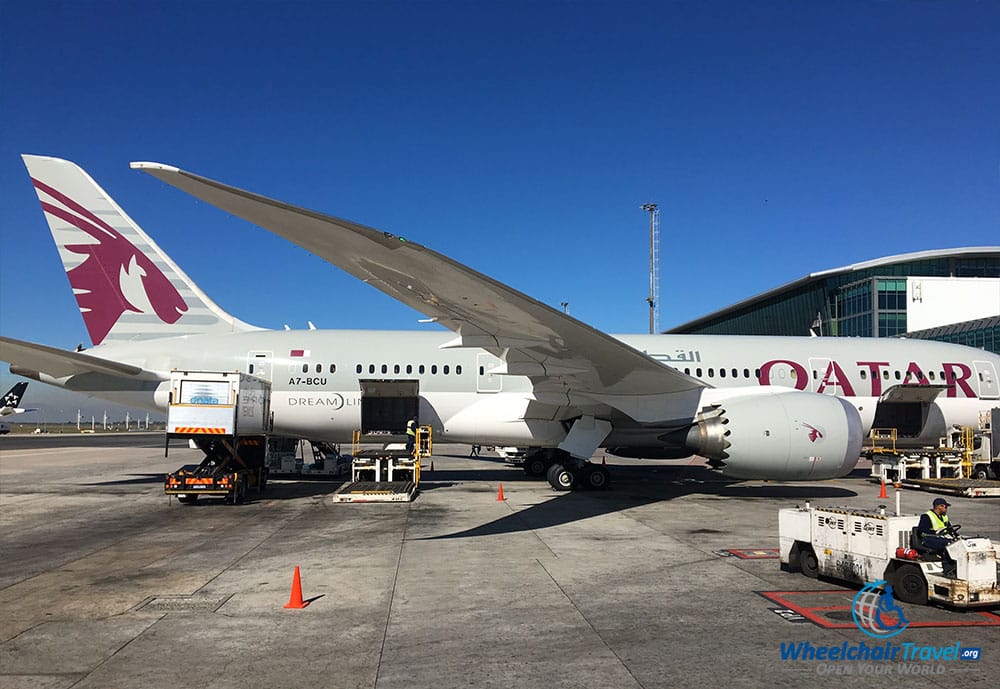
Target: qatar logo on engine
(814, 433)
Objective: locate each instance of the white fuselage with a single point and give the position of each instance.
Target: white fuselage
(316, 389)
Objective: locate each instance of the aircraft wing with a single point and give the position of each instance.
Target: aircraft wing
(563, 356)
(60, 363)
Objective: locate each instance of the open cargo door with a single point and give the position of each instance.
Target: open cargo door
(386, 406)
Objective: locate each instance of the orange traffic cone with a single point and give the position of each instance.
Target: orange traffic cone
(500, 497)
(882, 492)
(295, 602)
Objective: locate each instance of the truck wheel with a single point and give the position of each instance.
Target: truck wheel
(187, 499)
(808, 562)
(909, 585)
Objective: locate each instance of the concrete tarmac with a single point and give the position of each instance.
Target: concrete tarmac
(106, 583)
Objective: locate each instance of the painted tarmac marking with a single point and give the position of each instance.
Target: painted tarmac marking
(815, 613)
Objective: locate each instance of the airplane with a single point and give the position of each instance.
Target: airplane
(511, 372)
(10, 401)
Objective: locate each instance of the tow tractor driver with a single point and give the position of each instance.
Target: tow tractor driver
(936, 532)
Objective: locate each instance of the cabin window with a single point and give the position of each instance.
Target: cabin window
(722, 373)
(885, 374)
(458, 370)
(898, 376)
(250, 370)
(746, 373)
(395, 369)
(756, 373)
(371, 368)
(864, 374)
(385, 368)
(319, 368)
(697, 372)
(421, 369)
(931, 374)
(482, 370)
(434, 369)
(736, 374)
(359, 369)
(815, 374)
(305, 368)
(687, 371)
(409, 368)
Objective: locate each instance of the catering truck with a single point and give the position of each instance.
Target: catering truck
(227, 415)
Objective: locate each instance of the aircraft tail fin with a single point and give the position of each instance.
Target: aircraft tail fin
(127, 288)
(9, 402)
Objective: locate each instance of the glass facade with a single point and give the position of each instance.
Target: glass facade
(868, 302)
(981, 334)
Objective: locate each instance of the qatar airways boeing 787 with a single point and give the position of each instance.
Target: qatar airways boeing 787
(511, 371)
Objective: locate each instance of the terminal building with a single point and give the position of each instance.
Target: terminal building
(951, 295)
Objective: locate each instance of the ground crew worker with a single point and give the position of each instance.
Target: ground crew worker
(936, 532)
(411, 435)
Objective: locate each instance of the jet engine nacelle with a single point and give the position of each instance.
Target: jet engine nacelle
(783, 436)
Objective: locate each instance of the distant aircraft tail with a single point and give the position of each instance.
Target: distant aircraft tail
(126, 286)
(10, 401)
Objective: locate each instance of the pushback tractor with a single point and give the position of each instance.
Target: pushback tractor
(862, 546)
(227, 415)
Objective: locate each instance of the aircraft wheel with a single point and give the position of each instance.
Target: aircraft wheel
(535, 466)
(561, 478)
(808, 563)
(909, 585)
(596, 477)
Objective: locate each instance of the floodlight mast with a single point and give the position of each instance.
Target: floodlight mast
(654, 266)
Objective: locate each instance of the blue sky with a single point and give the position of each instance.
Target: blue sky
(779, 138)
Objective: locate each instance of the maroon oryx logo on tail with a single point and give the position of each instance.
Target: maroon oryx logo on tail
(114, 276)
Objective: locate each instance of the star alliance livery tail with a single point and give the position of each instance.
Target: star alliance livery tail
(126, 286)
(9, 402)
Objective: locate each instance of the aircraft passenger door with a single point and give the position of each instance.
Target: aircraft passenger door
(486, 381)
(989, 387)
(259, 364)
(817, 372)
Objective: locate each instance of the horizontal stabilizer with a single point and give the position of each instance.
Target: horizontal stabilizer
(59, 363)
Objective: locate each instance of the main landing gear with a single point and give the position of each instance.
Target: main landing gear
(564, 472)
